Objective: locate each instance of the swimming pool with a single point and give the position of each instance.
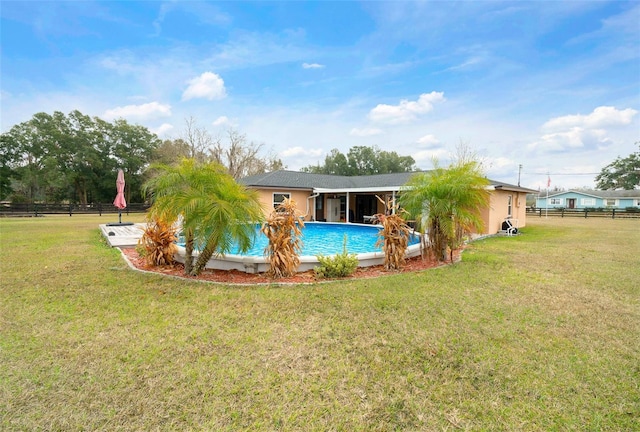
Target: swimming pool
(318, 238)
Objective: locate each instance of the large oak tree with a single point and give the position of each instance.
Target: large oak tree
(74, 158)
(622, 173)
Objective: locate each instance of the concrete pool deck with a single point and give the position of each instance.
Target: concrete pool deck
(121, 235)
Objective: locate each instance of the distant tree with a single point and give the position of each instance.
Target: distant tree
(362, 160)
(198, 141)
(31, 145)
(74, 157)
(243, 158)
(391, 162)
(7, 172)
(623, 173)
(334, 163)
(133, 147)
(240, 157)
(171, 151)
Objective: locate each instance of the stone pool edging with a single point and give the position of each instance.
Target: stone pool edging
(252, 264)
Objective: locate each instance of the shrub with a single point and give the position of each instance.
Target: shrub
(158, 243)
(339, 265)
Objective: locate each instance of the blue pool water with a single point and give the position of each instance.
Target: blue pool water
(321, 238)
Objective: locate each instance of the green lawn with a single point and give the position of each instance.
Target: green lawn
(535, 332)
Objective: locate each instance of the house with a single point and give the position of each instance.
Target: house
(590, 199)
(331, 198)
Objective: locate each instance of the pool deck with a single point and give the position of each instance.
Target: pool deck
(122, 235)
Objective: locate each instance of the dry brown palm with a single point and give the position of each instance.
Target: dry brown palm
(394, 236)
(283, 229)
(158, 242)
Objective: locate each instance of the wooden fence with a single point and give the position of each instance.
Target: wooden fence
(585, 213)
(40, 209)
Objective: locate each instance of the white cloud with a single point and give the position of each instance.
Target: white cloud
(5, 95)
(300, 151)
(467, 64)
(603, 116)
(201, 11)
(207, 86)
(499, 162)
(144, 111)
(221, 121)
(250, 49)
(122, 62)
(406, 111)
(365, 132)
(574, 138)
(162, 130)
(312, 66)
(428, 141)
(582, 132)
(500, 166)
(424, 158)
(224, 121)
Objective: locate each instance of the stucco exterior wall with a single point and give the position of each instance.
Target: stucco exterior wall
(498, 210)
(493, 215)
(298, 196)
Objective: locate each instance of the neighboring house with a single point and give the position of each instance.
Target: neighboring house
(572, 199)
(332, 198)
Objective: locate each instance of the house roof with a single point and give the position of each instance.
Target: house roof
(635, 193)
(327, 182)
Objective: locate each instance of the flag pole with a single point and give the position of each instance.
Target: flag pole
(546, 211)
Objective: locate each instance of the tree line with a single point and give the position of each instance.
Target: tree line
(56, 158)
(74, 158)
(362, 160)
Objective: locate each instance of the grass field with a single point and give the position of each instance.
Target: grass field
(535, 332)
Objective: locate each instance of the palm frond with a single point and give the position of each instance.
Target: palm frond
(214, 208)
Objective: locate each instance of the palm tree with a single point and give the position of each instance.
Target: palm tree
(447, 203)
(215, 210)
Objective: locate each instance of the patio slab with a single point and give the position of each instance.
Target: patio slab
(123, 236)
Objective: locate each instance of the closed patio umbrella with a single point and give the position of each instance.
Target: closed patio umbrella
(120, 203)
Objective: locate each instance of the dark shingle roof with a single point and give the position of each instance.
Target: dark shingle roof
(302, 180)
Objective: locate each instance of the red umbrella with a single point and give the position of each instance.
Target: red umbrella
(120, 202)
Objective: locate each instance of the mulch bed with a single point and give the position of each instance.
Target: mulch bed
(241, 278)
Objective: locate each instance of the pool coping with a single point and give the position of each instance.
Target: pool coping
(260, 264)
(127, 236)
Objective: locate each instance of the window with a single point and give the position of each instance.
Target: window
(588, 201)
(638, 202)
(510, 206)
(610, 202)
(555, 201)
(279, 197)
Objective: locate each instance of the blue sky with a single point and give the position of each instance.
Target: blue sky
(551, 86)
